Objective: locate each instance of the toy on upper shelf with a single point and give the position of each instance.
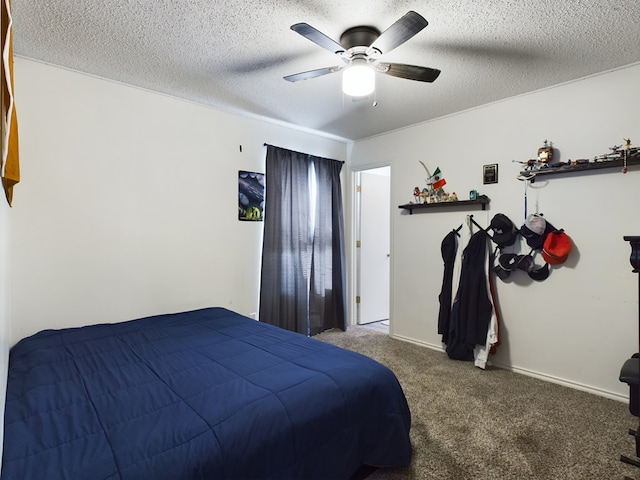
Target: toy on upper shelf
(434, 193)
(619, 155)
(543, 160)
(619, 152)
(545, 153)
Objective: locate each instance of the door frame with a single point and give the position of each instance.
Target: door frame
(353, 250)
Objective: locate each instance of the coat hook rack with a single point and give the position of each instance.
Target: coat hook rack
(480, 227)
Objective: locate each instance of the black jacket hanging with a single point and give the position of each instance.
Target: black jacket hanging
(471, 312)
(449, 248)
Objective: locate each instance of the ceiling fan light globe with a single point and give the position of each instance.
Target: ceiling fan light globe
(358, 80)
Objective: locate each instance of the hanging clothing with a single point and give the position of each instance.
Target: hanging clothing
(481, 352)
(497, 312)
(449, 249)
(472, 308)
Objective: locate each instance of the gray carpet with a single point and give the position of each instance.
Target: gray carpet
(473, 424)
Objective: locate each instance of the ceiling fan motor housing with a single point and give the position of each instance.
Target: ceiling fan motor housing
(361, 36)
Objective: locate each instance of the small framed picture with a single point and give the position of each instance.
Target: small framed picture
(251, 196)
(490, 173)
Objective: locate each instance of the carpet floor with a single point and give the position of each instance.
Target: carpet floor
(494, 424)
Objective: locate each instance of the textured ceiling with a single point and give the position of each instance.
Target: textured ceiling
(232, 55)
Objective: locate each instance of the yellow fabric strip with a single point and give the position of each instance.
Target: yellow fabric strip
(10, 163)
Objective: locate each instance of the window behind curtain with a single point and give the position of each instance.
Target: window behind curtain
(303, 265)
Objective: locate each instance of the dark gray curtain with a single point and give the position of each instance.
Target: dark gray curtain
(303, 278)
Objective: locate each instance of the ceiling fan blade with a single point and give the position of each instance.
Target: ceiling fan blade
(410, 72)
(398, 33)
(311, 74)
(317, 37)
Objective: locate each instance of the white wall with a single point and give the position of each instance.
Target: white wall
(128, 202)
(5, 267)
(579, 325)
(128, 207)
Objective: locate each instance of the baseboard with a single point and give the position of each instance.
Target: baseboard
(566, 383)
(523, 371)
(432, 346)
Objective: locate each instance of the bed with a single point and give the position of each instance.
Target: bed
(206, 394)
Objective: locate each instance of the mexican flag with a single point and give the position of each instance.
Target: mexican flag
(437, 179)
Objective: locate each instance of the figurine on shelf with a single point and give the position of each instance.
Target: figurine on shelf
(416, 194)
(545, 153)
(627, 147)
(424, 195)
(454, 197)
(619, 152)
(434, 192)
(615, 154)
(543, 160)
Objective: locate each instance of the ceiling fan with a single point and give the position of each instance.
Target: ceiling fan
(360, 49)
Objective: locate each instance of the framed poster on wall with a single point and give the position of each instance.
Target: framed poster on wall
(490, 173)
(250, 196)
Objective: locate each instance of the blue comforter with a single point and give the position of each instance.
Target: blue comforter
(201, 394)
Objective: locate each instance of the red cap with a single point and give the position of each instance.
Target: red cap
(556, 247)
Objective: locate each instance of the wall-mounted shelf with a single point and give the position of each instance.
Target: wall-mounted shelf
(482, 200)
(633, 159)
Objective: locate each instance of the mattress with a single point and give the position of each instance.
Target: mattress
(201, 394)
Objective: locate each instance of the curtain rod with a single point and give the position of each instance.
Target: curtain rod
(303, 153)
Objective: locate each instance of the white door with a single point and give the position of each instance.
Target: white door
(374, 258)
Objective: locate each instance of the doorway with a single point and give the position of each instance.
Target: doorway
(373, 245)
